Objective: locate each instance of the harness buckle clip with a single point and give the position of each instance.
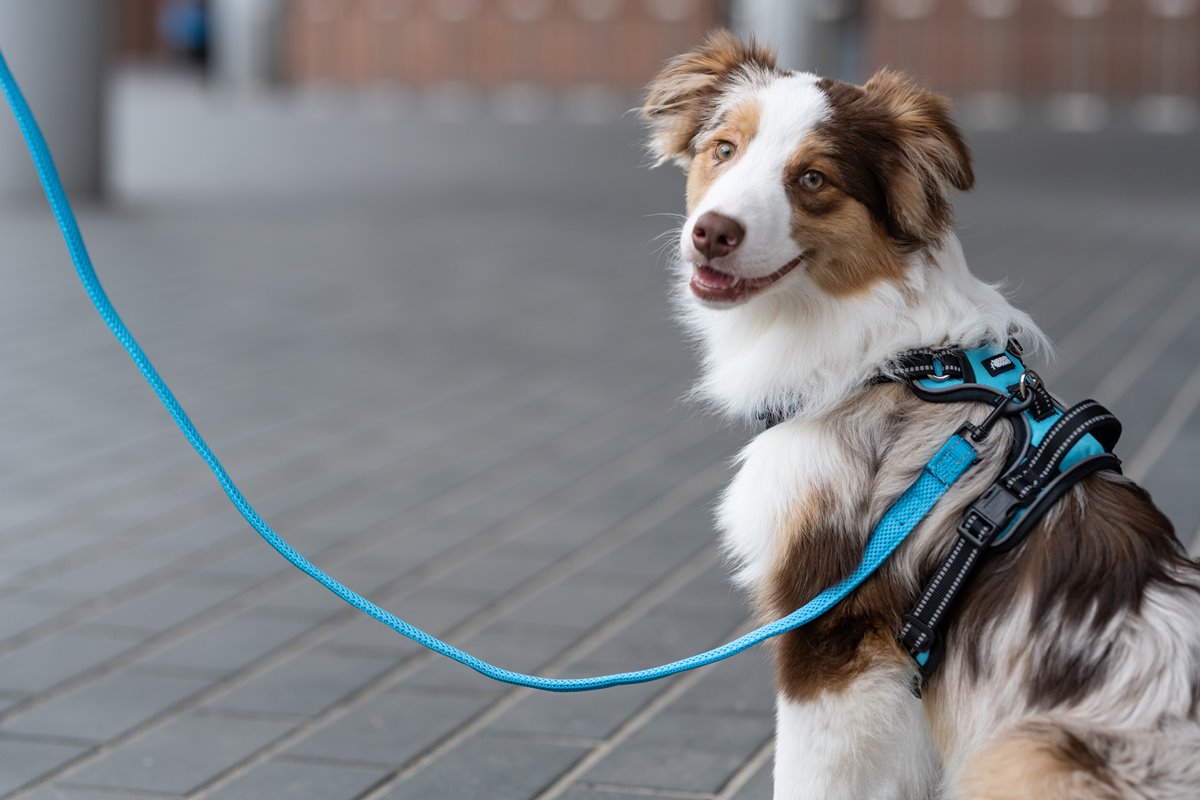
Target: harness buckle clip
(988, 515)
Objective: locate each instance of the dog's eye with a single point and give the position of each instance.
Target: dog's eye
(812, 180)
(723, 151)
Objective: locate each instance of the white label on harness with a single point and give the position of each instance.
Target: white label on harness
(997, 364)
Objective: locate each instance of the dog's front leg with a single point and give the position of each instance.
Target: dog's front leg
(866, 739)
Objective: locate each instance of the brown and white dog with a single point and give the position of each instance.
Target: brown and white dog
(818, 245)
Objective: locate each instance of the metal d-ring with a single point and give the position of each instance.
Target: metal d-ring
(1028, 382)
(939, 378)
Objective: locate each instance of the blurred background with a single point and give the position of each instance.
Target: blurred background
(403, 263)
(1077, 65)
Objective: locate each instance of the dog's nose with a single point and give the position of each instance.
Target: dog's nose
(717, 235)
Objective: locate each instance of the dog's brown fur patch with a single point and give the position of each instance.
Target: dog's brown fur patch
(847, 249)
(829, 653)
(1037, 761)
(684, 95)
(900, 154)
(823, 543)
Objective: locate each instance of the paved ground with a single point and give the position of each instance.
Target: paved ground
(436, 355)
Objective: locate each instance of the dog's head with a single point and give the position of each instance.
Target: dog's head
(797, 183)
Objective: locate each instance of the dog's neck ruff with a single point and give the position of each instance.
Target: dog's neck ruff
(1054, 447)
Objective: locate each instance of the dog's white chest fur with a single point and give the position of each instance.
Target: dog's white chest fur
(778, 470)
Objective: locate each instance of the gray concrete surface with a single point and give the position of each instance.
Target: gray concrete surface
(436, 354)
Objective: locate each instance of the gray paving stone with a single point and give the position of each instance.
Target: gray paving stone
(181, 755)
(665, 635)
(22, 613)
(601, 794)
(165, 606)
(391, 729)
(742, 685)
(498, 572)
(22, 761)
(305, 684)
(61, 792)
(36, 550)
(105, 708)
(219, 649)
(43, 663)
(296, 780)
(577, 604)
(760, 787)
(491, 767)
(683, 750)
(711, 591)
(8, 699)
(103, 574)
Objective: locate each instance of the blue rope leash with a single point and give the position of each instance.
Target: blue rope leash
(939, 474)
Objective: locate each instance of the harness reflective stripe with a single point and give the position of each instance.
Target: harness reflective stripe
(946, 466)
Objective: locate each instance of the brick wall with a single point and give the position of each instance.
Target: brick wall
(558, 43)
(1115, 48)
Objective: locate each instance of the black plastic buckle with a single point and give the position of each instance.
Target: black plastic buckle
(988, 515)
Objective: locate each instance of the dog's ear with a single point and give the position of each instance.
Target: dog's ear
(686, 92)
(927, 157)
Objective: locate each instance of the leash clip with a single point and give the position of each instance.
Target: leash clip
(1016, 402)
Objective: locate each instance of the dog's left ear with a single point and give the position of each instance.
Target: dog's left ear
(687, 90)
(927, 158)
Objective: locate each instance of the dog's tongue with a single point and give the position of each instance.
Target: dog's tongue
(713, 279)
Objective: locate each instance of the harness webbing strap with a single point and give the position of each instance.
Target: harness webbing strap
(919, 631)
(1082, 419)
(930, 362)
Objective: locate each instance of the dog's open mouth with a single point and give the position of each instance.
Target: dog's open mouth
(715, 286)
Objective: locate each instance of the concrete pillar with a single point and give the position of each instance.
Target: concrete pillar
(59, 52)
(821, 36)
(247, 37)
(784, 25)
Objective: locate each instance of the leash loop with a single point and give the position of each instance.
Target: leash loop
(955, 456)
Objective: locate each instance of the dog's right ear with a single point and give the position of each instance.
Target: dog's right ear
(686, 92)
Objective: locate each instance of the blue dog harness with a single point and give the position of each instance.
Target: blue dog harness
(1053, 448)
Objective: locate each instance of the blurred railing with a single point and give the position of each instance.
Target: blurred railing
(1078, 63)
(554, 43)
(1081, 60)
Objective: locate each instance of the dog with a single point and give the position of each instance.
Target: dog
(818, 245)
